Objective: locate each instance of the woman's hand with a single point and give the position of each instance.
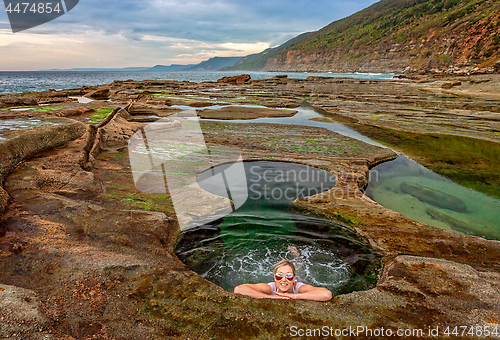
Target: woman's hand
(308, 292)
(280, 296)
(264, 291)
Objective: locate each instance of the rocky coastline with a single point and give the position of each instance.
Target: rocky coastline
(85, 255)
(335, 62)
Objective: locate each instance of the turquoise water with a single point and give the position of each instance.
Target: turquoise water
(243, 246)
(480, 218)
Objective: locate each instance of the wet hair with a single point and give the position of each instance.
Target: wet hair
(283, 263)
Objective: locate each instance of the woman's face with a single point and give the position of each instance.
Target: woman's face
(284, 285)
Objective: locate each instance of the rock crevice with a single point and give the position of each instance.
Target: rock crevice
(113, 132)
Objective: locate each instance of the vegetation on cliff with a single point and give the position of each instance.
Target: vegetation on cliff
(397, 35)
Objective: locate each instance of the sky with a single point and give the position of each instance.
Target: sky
(141, 33)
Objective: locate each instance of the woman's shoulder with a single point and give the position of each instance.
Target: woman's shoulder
(297, 286)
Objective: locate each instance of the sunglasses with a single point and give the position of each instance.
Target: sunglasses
(279, 276)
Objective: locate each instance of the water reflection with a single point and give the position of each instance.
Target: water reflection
(7, 125)
(479, 215)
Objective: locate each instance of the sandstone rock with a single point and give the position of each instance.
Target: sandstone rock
(25, 144)
(74, 111)
(4, 202)
(54, 100)
(496, 67)
(14, 101)
(425, 291)
(238, 112)
(21, 315)
(317, 78)
(69, 181)
(288, 104)
(113, 132)
(237, 80)
(51, 94)
(199, 104)
(119, 130)
(441, 279)
(73, 92)
(160, 109)
(279, 79)
(449, 85)
(102, 93)
(90, 150)
(145, 119)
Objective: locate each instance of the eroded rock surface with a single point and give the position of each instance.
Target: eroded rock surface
(238, 80)
(98, 253)
(21, 315)
(101, 93)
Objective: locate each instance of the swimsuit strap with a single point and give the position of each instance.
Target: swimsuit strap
(296, 286)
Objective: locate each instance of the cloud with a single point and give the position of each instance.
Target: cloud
(164, 31)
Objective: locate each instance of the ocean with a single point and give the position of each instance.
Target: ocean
(35, 81)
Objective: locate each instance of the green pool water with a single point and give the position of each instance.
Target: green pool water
(477, 214)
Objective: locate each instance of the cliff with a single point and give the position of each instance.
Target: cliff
(399, 36)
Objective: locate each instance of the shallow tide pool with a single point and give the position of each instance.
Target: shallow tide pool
(7, 125)
(474, 213)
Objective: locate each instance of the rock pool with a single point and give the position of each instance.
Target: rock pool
(480, 217)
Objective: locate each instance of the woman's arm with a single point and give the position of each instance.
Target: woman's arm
(257, 291)
(308, 292)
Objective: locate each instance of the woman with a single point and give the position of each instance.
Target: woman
(284, 286)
